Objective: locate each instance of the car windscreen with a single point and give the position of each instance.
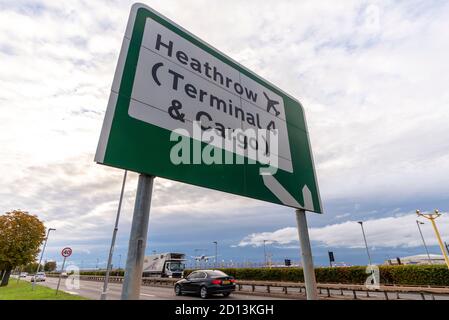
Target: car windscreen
(177, 266)
(216, 273)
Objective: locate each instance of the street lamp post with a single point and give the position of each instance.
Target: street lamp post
(114, 236)
(42, 254)
(432, 217)
(366, 243)
(265, 253)
(418, 223)
(216, 252)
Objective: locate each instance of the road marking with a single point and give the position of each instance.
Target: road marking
(147, 295)
(72, 292)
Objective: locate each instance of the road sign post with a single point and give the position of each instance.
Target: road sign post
(138, 239)
(66, 252)
(306, 252)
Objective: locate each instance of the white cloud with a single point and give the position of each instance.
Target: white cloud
(396, 231)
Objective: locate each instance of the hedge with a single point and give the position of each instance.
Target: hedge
(436, 275)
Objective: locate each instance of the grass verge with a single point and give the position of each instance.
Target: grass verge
(22, 291)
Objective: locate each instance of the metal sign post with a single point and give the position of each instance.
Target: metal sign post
(306, 252)
(138, 239)
(66, 252)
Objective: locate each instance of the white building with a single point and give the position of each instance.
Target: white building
(418, 259)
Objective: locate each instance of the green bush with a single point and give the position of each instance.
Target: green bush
(436, 275)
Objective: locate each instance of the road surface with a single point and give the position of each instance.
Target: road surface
(92, 290)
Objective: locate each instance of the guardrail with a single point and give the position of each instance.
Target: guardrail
(295, 288)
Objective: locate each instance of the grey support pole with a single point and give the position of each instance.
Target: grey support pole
(423, 241)
(114, 236)
(306, 252)
(138, 239)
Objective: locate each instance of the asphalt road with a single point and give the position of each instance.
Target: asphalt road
(92, 290)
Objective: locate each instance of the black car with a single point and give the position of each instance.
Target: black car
(205, 283)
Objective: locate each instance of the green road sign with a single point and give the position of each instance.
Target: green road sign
(182, 110)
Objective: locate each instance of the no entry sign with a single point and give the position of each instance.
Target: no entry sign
(182, 110)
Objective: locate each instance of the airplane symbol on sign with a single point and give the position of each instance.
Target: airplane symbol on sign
(271, 104)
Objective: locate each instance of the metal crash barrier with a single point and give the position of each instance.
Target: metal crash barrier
(296, 289)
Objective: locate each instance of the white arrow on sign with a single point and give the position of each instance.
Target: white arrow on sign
(285, 197)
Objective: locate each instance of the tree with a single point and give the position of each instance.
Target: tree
(21, 235)
(31, 267)
(50, 266)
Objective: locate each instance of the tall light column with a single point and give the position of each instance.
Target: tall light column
(432, 217)
(418, 223)
(42, 254)
(366, 243)
(216, 252)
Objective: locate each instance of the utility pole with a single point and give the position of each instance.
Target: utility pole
(418, 223)
(432, 217)
(114, 236)
(42, 254)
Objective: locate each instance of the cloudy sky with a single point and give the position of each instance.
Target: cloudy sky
(372, 75)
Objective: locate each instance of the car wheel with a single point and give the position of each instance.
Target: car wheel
(178, 290)
(226, 294)
(203, 293)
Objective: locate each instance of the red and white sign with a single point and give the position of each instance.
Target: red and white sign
(66, 252)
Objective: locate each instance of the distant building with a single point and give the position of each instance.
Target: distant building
(417, 259)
